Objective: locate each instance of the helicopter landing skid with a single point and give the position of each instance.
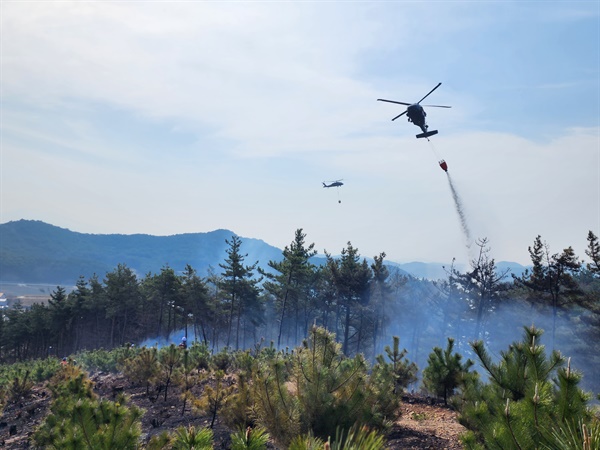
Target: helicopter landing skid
(426, 135)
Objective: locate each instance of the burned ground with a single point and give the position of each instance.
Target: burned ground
(423, 424)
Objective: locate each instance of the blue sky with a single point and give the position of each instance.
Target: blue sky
(175, 117)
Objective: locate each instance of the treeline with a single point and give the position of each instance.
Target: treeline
(363, 304)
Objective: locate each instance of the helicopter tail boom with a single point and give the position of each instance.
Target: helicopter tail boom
(427, 134)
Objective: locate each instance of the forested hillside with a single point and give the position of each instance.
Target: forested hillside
(36, 252)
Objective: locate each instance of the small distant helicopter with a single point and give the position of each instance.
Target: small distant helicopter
(336, 183)
(416, 114)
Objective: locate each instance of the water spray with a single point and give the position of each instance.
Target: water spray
(457, 200)
(461, 212)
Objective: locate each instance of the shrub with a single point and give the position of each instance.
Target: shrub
(444, 372)
(531, 401)
(250, 439)
(78, 420)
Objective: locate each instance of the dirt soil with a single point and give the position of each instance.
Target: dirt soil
(422, 425)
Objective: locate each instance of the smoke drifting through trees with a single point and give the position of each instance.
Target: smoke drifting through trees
(364, 304)
(460, 211)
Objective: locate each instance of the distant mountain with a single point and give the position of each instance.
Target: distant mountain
(438, 271)
(36, 252)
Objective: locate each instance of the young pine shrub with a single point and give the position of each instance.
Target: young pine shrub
(529, 402)
(237, 412)
(274, 405)
(192, 439)
(569, 436)
(223, 360)
(306, 442)
(387, 381)
(200, 356)
(99, 360)
(403, 371)
(445, 372)
(332, 390)
(142, 368)
(79, 420)
(215, 397)
(20, 387)
(357, 438)
(169, 358)
(249, 439)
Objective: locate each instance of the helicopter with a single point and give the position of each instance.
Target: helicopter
(416, 114)
(336, 183)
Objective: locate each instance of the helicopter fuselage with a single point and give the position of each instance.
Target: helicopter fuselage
(416, 114)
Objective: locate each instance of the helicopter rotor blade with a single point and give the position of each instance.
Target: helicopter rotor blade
(393, 101)
(436, 106)
(399, 115)
(438, 85)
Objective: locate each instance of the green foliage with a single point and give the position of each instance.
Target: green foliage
(250, 439)
(78, 420)
(142, 368)
(569, 436)
(357, 438)
(237, 412)
(306, 442)
(200, 355)
(530, 402)
(388, 379)
(214, 398)
(38, 370)
(159, 441)
(105, 360)
(223, 360)
(445, 372)
(191, 439)
(274, 405)
(169, 359)
(399, 368)
(318, 390)
(17, 380)
(331, 388)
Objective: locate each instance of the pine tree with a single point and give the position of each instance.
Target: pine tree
(445, 372)
(593, 252)
(143, 368)
(552, 278)
(351, 279)
(482, 285)
(239, 286)
(215, 397)
(528, 397)
(290, 286)
(79, 420)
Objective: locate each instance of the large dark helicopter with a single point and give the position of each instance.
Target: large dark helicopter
(416, 114)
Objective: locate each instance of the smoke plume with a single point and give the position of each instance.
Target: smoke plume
(461, 212)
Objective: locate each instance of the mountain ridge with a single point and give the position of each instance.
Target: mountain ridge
(32, 251)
